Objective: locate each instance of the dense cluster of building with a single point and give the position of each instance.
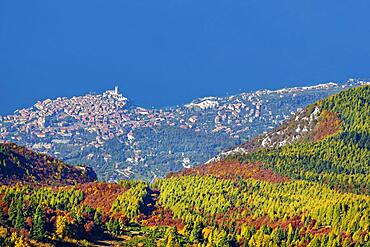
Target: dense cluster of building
(107, 116)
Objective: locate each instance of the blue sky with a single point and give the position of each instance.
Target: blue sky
(169, 52)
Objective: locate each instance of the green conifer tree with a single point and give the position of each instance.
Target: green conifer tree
(12, 212)
(38, 224)
(20, 219)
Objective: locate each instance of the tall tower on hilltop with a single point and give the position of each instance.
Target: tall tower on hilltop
(116, 90)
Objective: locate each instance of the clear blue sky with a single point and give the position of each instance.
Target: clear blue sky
(167, 52)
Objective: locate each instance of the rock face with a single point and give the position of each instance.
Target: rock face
(122, 141)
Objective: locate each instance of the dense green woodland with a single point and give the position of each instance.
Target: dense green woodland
(323, 200)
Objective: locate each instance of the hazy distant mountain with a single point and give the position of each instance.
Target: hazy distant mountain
(120, 140)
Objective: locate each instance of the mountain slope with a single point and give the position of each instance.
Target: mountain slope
(121, 141)
(21, 165)
(309, 177)
(328, 142)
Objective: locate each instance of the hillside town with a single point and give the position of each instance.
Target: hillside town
(86, 126)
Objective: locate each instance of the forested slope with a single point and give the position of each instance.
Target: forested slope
(335, 152)
(305, 183)
(21, 165)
